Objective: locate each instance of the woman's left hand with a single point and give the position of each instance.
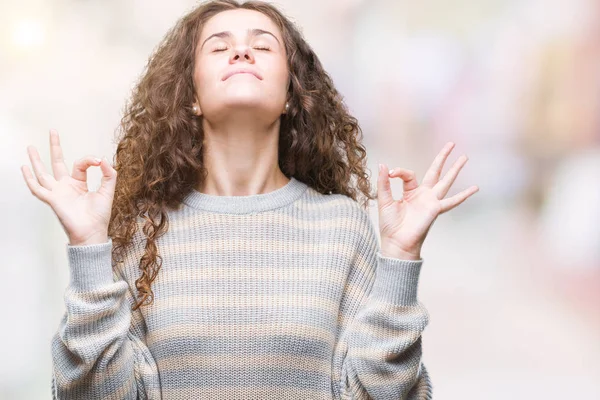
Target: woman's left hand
(404, 223)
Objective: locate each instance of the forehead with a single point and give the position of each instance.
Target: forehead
(238, 21)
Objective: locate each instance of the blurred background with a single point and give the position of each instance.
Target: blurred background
(511, 277)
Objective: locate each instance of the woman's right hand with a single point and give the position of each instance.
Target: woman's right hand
(84, 215)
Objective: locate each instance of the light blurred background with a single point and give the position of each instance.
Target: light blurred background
(511, 277)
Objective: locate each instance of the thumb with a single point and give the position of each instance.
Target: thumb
(109, 178)
(384, 191)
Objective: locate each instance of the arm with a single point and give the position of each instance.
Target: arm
(99, 350)
(378, 354)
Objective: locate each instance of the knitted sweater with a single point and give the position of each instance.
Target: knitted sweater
(281, 295)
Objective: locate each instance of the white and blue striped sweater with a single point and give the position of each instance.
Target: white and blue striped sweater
(281, 295)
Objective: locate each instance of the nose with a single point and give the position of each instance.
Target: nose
(242, 51)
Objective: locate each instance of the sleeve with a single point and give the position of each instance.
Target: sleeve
(99, 350)
(378, 351)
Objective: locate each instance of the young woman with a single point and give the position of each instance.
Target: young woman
(236, 261)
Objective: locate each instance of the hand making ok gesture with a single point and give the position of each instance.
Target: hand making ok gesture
(404, 223)
(84, 215)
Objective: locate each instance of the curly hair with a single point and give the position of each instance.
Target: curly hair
(159, 157)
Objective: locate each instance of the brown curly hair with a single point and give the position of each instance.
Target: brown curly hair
(159, 156)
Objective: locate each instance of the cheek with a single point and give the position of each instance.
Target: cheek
(203, 81)
(283, 69)
(279, 74)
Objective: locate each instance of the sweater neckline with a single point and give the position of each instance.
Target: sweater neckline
(247, 204)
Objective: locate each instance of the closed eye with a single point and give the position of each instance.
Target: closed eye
(256, 48)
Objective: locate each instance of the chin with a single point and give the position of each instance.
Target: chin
(245, 102)
(253, 101)
(242, 108)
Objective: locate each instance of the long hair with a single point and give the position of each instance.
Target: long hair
(159, 157)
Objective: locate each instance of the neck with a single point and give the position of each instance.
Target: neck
(241, 157)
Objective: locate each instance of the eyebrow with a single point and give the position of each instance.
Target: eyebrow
(251, 32)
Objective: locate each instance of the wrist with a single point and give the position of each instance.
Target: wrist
(393, 251)
(96, 239)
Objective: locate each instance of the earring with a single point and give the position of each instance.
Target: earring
(195, 109)
(287, 107)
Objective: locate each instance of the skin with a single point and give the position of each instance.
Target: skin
(404, 223)
(84, 215)
(241, 120)
(241, 115)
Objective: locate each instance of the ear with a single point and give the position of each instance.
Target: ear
(285, 110)
(196, 110)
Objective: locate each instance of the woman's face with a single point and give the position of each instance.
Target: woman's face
(240, 40)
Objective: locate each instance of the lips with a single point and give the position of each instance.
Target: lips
(242, 71)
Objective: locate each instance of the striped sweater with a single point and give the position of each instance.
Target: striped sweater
(280, 295)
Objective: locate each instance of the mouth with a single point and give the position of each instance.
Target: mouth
(242, 71)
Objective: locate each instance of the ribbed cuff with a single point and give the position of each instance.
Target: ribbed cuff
(90, 265)
(396, 280)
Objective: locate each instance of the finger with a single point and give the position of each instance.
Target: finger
(80, 167)
(451, 202)
(407, 175)
(109, 179)
(58, 162)
(43, 177)
(34, 187)
(384, 192)
(442, 187)
(433, 173)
